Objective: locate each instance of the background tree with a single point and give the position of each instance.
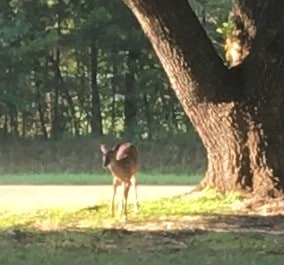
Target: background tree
(77, 67)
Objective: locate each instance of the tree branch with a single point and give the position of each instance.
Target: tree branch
(178, 38)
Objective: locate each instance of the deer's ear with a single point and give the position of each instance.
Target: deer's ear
(122, 151)
(104, 149)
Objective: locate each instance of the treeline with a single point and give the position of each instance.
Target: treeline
(83, 67)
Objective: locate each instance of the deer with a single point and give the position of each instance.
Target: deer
(122, 161)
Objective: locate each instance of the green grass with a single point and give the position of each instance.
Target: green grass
(96, 178)
(151, 248)
(90, 236)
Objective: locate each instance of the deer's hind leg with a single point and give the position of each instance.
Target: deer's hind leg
(126, 186)
(135, 202)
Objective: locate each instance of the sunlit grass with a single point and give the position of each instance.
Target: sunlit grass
(95, 178)
(98, 216)
(205, 202)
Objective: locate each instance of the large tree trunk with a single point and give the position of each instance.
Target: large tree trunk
(237, 112)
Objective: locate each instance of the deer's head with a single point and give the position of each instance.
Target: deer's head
(117, 153)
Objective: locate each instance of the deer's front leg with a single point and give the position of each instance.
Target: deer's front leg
(115, 185)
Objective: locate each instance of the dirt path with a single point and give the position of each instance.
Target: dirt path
(30, 197)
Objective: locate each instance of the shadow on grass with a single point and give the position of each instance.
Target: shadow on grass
(210, 222)
(93, 208)
(246, 223)
(122, 246)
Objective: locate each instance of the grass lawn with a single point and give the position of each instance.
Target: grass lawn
(197, 229)
(106, 247)
(96, 178)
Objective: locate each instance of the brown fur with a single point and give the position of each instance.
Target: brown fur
(122, 161)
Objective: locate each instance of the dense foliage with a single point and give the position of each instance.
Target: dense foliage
(70, 68)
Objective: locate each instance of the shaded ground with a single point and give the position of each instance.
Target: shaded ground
(217, 223)
(120, 246)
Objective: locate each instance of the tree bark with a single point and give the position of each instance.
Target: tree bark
(231, 109)
(62, 87)
(5, 129)
(56, 130)
(40, 109)
(148, 116)
(263, 89)
(131, 108)
(56, 127)
(24, 124)
(14, 120)
(113, 100)
(96, 120)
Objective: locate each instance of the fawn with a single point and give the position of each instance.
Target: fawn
(122, 161)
